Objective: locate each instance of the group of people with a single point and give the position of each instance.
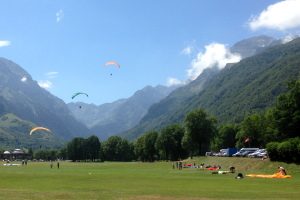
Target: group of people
(178, 165)
(216, 170)
(51, 164)
(24, 162)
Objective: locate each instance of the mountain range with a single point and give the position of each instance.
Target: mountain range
(26, 100)
(250, 85)
(113, 118)
(116, 117)
(229, 94)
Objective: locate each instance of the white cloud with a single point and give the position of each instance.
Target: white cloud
(59, 15)
(51, 75)
(174, 81)
(288, 38)
(24, 79)
(187, 50)
(45, 84)
(215, 54)
(4, 43)
(279, 16)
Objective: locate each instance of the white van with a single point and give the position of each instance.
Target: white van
(245, 151)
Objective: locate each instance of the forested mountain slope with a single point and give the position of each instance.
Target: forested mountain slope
(248, 86)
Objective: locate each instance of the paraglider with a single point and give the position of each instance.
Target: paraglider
(38, 129)
(79, 93)
(113, 63)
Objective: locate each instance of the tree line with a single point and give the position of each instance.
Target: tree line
(277, 129)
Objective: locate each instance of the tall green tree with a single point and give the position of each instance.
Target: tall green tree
(75, 149)
(117, 149)
(93, 146)
(111, 148)
(139, 148)
(169, 143)
(287, 112)
(150, 150)
(145, 148)
(200, 129)
(226, 136)
(252, 130)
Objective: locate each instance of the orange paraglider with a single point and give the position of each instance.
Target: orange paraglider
(39, 128)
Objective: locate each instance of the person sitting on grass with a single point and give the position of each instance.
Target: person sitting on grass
(232, 169)
(282, 171)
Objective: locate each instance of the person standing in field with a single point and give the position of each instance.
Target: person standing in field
(57, 164)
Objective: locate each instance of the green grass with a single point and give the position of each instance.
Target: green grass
(115, 180)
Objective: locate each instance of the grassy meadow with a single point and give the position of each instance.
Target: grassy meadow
(136, 180)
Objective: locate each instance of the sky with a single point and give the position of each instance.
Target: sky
(64, 45)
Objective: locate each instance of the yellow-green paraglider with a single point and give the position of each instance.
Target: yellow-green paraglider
(39, 129)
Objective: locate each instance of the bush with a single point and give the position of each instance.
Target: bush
(286, 151)
(295, 155)
(272, 150)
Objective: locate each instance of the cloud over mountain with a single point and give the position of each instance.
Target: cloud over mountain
(215, 54)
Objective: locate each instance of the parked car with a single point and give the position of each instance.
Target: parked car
(244, 152)
(262, 155)
(209, 153)
(258, 153)
(222, 152)
(226, 152)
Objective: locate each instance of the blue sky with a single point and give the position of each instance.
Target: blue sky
(65, 44)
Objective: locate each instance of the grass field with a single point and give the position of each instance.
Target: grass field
(135, 180)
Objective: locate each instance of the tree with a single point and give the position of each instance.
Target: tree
(110, 148)
(75, 149)
(46, 154)
(287, 112)
(93, 146)
(226, 136)
(139, 148)
(126, 150)
(200, 129)
(169, 141)
(188, 145)
(145, 148)
(251, 133)
(150, 150)
(63, 153)
(117, 149)
(30, 153)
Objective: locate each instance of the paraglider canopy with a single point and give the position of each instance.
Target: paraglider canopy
(39, 128)
(113, 63)
(79, 93)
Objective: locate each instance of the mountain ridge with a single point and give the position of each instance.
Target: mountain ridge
(22, 96)
(112, 118)
(248, 74)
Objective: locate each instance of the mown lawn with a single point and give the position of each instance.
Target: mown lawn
(135, 180)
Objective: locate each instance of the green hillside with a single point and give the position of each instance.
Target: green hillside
(14, 133)
(249, 86)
